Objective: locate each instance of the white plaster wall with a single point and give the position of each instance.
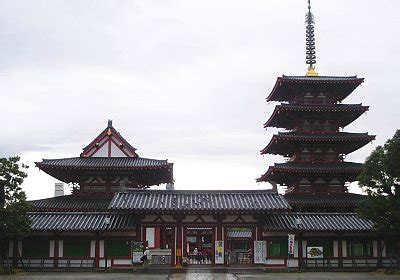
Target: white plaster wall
(60, 248)
(102, 152)
(375, 248)
(92, 248)
(116, 151)
(275, 261)
(335, 248)
(344, 248)
(304, 248)
(51, 248)
(296, 249)
(10, 249)
(20, 247)
(150, 234)
(384, 252)
(101, 248)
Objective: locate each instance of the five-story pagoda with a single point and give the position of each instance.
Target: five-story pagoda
(312, 113)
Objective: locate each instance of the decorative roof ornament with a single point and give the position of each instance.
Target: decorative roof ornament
(310, 43)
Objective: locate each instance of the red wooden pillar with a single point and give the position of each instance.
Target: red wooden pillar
(252, 239)
(97, 252)
(219, 236)
(173, 247)
(379, 249)
(340, 252)
(157, 237)
(56, 250)
(179, 245)
(213, 239)
(300, 251)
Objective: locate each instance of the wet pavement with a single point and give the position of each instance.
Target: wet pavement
(199, 276)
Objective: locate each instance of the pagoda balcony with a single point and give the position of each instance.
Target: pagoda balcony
(290, 143)
(289, 116)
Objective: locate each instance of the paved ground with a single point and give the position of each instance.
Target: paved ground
(200, 276)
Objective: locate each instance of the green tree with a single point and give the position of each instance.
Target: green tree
(14, 224)
(380, 178)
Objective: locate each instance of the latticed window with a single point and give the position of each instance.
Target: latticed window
(35, 248)
(76, 248)
(360, 249)
(118, 248)
(278, 248)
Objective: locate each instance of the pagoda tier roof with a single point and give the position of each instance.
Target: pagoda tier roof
(280, 171)
(286, 87)
(75, 203)
(309, 200)
(147, 171)
(285, 115)
(339, 222)
(80, 221)
(287, 143)
(195, 201)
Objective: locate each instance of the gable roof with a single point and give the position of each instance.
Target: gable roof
(109, 135)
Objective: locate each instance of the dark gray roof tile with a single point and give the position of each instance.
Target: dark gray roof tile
(197, 200)
(79, 221)
(317, 222)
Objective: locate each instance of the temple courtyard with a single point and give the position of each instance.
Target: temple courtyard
(204, 276)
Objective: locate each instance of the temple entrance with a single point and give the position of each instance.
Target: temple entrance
(199, 242)
(239, 246)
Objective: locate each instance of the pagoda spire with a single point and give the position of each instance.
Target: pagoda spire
(310, 43)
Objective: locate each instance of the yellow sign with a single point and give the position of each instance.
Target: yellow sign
(178, 252)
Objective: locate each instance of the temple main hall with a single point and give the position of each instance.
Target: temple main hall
(112, 213)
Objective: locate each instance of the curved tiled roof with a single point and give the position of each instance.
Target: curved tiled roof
(324, 200)
(324, 167)
(71, 203)
(103, 163)
(284, 115)
(289, 142)
(79, 221)
(198, 200)
(317, 222)
(322, 79)
(340, 86)
(351, 168)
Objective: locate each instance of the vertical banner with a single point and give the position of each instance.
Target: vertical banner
(219, 252)
(260, 252)
(290, 244)
(137, 251)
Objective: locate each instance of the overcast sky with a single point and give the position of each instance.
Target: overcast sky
(182, 80)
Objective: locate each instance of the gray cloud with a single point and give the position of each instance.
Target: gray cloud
(184, 80)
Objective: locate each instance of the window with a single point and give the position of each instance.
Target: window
(326, 244)
(390, 248)
(240, 245)
(76, 248)
(360, 249)
(35, 248)
(118, 248)
(278, 248)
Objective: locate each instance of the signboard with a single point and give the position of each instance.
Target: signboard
(219, 252)
(315, 252)
(137, 251)
(290, 244)
(260, 252)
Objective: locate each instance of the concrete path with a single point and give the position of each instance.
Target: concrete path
(200, 276)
